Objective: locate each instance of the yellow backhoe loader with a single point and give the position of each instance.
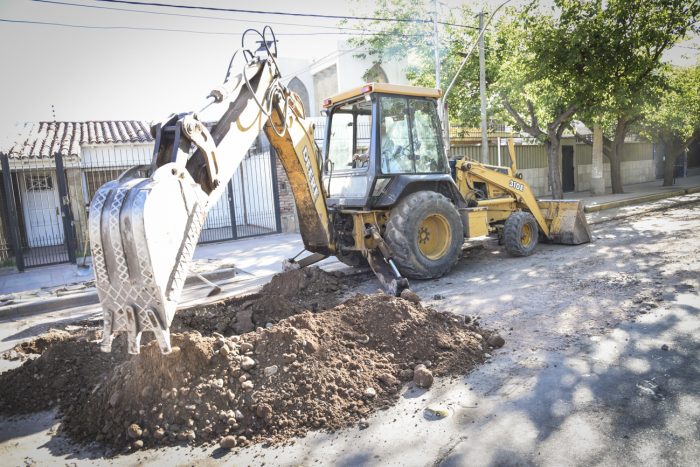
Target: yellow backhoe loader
(388, 197)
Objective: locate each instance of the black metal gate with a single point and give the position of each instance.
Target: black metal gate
(250, 204)
(36, 211)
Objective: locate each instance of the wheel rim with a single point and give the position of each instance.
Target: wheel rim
(526, 235)
(434, 236)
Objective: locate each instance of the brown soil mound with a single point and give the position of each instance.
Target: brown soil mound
(310, 371)
(62, 376)
(285, 295)
(36, 346)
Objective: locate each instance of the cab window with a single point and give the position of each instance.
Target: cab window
(427, 146)
(409, 136)
(349, 141)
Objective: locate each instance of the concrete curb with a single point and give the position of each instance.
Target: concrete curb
(659, 207)
(89, 297)
(640, 199)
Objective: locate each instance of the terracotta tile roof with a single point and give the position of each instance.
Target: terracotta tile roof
(44, 139)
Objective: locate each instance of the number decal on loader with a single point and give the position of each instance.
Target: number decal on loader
(516, 185)
(310, 173)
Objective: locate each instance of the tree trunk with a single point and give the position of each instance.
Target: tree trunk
(553, 156)
(597, 167)
(671, 150)
(616, 155)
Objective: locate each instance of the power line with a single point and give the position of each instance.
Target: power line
(194, 31)
(181, 15)
(281, 13)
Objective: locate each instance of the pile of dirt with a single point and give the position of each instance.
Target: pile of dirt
(285, 295)
(323, 370)
(37, 346)
(70, 365)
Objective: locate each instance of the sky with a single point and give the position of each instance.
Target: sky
(132, 73)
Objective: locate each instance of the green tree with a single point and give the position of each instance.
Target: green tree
(674, 121)
(546, 73)
(629, 38)
(413, 42)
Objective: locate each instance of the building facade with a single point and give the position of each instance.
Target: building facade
(51, 170)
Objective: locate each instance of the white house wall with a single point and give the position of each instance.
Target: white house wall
(350, 71)
(118, 155)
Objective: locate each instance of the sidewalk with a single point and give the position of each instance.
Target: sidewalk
(260, 257)
(634, 194)
(256, 255)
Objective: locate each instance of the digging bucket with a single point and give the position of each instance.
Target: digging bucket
(567, 222)
(143, 232)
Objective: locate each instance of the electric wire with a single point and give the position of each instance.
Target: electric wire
(181, 15)
(192, 31)
(282, 13)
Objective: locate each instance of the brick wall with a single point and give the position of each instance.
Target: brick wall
(288, 213)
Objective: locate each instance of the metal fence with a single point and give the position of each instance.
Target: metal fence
(44, 201)
(250, 204)
(36, 215)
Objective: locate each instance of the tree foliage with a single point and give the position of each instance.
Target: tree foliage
(412, 44)
(630, 38)
(674, 119)
(546, 73)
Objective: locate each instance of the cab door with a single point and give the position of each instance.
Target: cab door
(349, 164)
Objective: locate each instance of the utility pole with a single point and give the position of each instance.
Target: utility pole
(482, 92)
(436, 45)
(442, 114)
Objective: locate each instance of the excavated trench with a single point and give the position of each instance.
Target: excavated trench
(262, 368)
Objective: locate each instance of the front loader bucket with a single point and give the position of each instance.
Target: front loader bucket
(567, 222)
(143, 232)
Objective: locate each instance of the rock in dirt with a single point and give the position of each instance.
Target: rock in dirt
(228, 442)
(664, 347)
(422, 377)
(411, 296)
(496, 341)
(247, 363)
(244, 321)
(134, 431)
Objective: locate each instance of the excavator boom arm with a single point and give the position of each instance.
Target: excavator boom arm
(144, 229)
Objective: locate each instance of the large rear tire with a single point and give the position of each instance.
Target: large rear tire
(425, 235)
(520, 234)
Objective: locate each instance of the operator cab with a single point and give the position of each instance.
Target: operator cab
(381, 138)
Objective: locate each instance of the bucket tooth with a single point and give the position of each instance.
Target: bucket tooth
(142, 251)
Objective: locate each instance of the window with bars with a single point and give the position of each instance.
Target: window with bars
(39, 182)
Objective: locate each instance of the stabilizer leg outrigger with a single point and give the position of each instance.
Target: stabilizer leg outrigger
(383, 265)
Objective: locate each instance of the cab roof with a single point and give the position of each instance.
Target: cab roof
(385, 88)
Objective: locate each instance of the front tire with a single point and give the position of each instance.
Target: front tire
(425, 235)
(520, 234)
